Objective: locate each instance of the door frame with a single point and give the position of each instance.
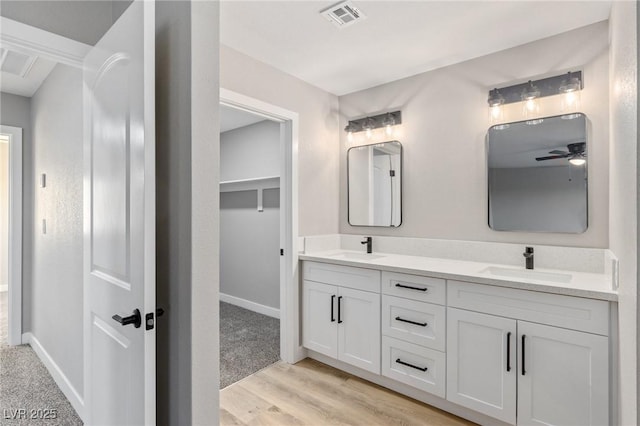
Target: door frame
(291, 350)
(14, 304)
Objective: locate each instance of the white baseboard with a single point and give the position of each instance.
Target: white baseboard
(58, 376)
(252, 306)
(4, 288)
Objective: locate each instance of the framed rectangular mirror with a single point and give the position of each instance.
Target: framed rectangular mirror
(538, 175)
(375, 184)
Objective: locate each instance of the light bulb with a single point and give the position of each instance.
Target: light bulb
(495, 114)
(369, 133)
(571, 101)
(350, 137)
(577, 161)
(388, 129)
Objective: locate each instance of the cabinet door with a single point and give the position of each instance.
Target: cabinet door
(359, 329)
(563, 376)
(319, 322)
(481, 363)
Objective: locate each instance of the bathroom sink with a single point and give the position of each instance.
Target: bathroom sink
(527, 274)
(347, 255)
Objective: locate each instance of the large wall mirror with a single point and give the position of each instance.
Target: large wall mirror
(375, 184)
(538, 175)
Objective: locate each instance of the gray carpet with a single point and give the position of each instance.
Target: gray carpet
(249, 342)
(26, 384)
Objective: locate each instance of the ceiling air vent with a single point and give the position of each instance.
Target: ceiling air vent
(343, 14)
(16, 63)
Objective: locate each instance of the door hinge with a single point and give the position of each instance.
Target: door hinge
(281, 252)
(392, 173)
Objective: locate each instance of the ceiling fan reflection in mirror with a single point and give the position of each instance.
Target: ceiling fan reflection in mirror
(575, 154)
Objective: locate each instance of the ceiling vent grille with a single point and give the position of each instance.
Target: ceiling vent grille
(343, 14)
(16, 63)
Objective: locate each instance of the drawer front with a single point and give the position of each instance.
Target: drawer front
(414, 365)
(345, 276)
(424, 289)
(415, 322)
(575, 313)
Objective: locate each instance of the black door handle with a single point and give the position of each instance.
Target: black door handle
(333, 297)
(523, 370)
(134, 319)
(339, 309)
(509, 351)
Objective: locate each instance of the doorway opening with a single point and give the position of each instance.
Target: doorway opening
(10, 235)
(258, 236)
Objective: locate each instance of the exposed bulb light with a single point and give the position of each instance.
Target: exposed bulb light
(368, 126)
(388, 122)
(530, 98)
(571, 88)
(350, 129)
(495, 101)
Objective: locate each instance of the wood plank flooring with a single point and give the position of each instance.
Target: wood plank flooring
(312, 393)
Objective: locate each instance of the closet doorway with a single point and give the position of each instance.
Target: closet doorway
(258, 235)
(10, 235)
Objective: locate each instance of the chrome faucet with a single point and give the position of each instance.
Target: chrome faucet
(528, 254)
(369, 242)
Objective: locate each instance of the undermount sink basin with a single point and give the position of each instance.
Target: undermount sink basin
(356, 256)
(527, 274)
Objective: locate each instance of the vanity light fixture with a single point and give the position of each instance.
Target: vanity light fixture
(368, 124)
(570, 84)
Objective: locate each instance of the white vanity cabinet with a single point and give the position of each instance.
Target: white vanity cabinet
(499, 362)
(341, 314)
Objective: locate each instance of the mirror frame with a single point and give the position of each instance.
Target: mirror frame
(401, 186)
(586, 166)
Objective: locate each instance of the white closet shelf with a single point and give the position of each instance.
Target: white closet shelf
(258, 184)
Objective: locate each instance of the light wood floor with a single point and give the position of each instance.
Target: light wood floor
(312, 393)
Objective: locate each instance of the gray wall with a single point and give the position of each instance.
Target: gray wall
(57, 283)
(249, 237)
(318, 149)
(16, 111)
(444, 122)
(623, 208)
(250, 152)
(550, 199)
(84, 21)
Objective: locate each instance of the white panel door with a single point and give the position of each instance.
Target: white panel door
(562, 377)
(119, 222)
(359, 328)
(320, 318)
(481, 363)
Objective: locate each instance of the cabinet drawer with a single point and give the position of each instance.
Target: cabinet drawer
(345, 276)
(415, 322)
(575, 313)
(414, 365)
(425, 289)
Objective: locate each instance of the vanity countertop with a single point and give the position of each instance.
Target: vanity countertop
(580, 284)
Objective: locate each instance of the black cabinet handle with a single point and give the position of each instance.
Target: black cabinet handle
(410, 287)
(509, 351)
(523, 370)
(339, 309)
(135, 319)
(333, 297)
(423, 369)
(421, 324)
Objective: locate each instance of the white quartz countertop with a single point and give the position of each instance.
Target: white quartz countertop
(580, 284)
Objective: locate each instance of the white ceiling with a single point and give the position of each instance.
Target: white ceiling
(232, 118)
(396, 40)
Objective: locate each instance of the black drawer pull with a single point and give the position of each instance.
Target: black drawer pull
(339, 310)
(423, 369)
(421, 324)
(523, 369)
(411, 288)
(509, 351)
